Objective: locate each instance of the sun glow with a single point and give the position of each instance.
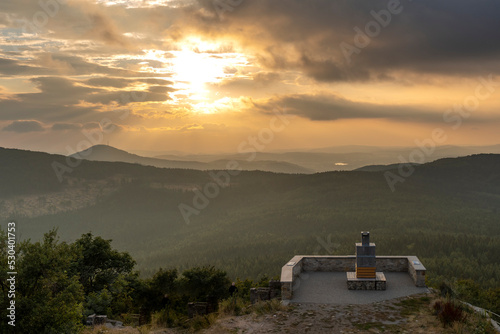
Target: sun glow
(197, 69)
(193, 66)
(199, 63)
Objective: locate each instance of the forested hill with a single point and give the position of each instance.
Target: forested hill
(29, 172)
(445, 212)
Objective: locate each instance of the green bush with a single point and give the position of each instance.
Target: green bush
(48, 296)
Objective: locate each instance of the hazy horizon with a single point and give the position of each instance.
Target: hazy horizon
(319, 149)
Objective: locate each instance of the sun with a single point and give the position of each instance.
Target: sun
(193, 66)
(200, 62)
(194, 70)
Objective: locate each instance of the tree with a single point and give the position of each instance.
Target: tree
(98, 265)
(4, 302)
(150, 295)
(49, 297)
(105, 275)
(205, 284)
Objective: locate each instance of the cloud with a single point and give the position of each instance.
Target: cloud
(332, 108)
(91, 125)
(60, 89)
(4, 20)
(62, 99)
(64, 64)
(76, 19)
(214, 127)
(113, 127)
(81, 66)
(160, 89)
(424, 37)
(108, 82)
(65, 126)
(328, 70)
(24, 126)
(266, 78)
(11, 67)
(126, 97)
(104, 29)
(123, 83)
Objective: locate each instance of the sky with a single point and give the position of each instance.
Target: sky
(212, 76)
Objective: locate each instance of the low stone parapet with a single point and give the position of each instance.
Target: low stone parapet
(258, 294)
(346, 263)
(416, 270)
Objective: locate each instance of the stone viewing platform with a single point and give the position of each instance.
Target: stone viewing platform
(322, 278)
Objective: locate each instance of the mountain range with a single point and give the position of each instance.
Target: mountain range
(291, 162)
(250, 223)
(109, 153)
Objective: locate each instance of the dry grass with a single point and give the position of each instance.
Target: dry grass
(105, 330)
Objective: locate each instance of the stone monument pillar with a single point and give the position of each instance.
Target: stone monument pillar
(365, 277)
(365, 257)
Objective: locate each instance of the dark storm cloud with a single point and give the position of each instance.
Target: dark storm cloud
(330, 108)
(437, 37)
(328, 70)
(24, 126)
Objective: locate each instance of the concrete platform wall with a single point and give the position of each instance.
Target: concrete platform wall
(347, 263)
(327, 263)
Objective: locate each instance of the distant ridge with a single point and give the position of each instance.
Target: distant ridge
(380, 168)
(340, 157)
(112, 154)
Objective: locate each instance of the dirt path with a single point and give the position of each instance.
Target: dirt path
(402, 315)
(411, 315)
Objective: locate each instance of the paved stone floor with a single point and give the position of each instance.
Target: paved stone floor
(331, 288)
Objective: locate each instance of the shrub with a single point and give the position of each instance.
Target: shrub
(449, 311)
(170, 318)
(268, 306)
